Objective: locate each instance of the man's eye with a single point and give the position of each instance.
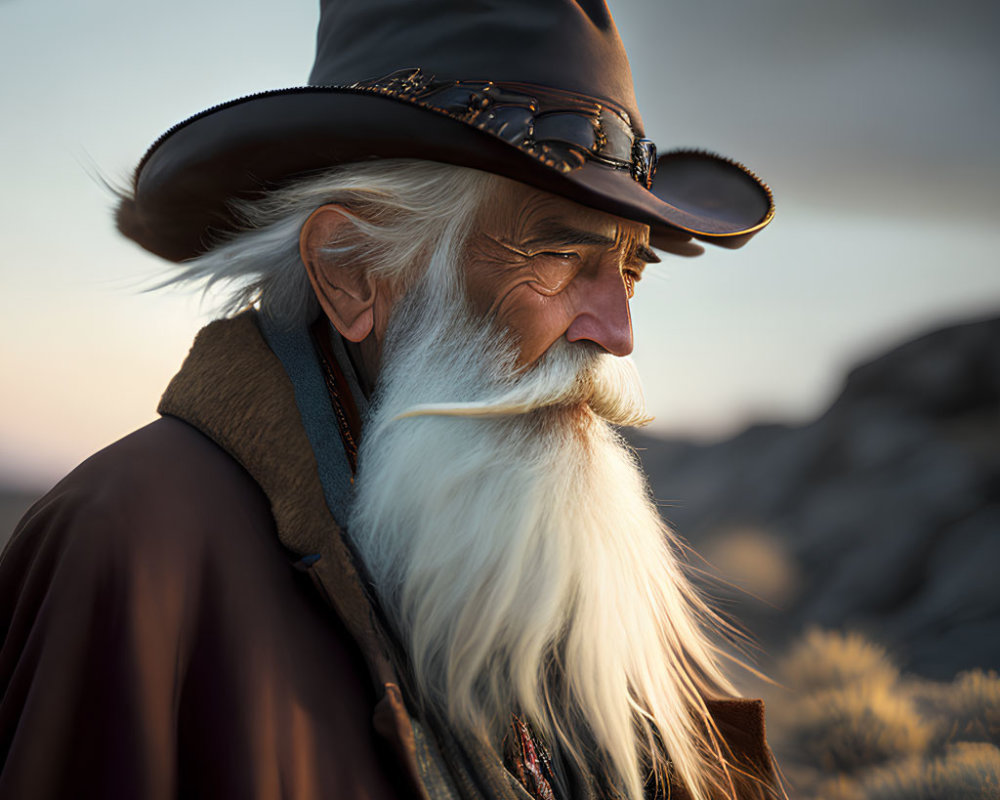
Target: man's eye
(553, 271)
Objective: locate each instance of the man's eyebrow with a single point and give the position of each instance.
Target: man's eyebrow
(556, 234)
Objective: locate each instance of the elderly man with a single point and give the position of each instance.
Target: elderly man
(385, 541)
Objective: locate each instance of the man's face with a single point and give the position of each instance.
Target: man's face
(545, 268)
(505, 525)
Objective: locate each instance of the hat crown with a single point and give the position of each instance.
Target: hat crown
(572, 45)
(538, 91)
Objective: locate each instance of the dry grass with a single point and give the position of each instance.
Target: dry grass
(823, 660)
(851, 728)
(967, 710)
(964, 772)
(967, 771)
(755, 561)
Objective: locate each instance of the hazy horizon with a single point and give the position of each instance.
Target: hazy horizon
(875, 126)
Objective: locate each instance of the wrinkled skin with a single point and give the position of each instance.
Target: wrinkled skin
(542, 267)
(545, 268)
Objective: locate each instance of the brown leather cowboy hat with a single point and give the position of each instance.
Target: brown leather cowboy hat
(535, 90)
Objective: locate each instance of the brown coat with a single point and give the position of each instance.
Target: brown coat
(164, 638)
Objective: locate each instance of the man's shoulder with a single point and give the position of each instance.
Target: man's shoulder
(147, 612)
(165, 488)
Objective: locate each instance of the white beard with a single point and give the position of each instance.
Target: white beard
(512, 540)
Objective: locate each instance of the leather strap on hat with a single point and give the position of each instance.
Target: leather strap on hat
(560, 129)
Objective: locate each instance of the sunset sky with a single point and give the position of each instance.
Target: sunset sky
(875, 124)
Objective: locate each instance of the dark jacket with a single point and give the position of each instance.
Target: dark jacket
(165, 636)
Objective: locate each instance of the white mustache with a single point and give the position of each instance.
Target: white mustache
(568, 375)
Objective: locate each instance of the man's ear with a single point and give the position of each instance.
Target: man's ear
(346, 294)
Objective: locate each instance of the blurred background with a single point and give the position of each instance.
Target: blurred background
(827, 400)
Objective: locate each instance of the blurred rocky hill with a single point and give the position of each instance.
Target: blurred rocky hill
(881, 516)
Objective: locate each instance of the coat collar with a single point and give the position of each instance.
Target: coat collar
(234, 389)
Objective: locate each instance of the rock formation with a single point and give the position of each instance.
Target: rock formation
(882, 516)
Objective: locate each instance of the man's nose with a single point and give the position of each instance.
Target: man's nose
(602, 314)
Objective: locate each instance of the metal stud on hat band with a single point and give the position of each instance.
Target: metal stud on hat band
(562, 131)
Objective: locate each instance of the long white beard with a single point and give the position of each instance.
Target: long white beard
(512, 540)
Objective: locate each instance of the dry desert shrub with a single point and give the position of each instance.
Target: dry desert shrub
(967, 771)
(825, 660)
(840, 788)
(966, 710)
(756, 561)
(846, 730)
(971, 708)
(849, 727)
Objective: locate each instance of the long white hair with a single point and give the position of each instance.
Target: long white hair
(507, 526)
(402, 209)
(512, 539)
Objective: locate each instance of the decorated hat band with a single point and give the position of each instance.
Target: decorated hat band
(560, 129)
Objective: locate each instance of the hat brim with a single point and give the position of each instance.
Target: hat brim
(185, 184)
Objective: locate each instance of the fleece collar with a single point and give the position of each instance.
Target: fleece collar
(235, 390)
